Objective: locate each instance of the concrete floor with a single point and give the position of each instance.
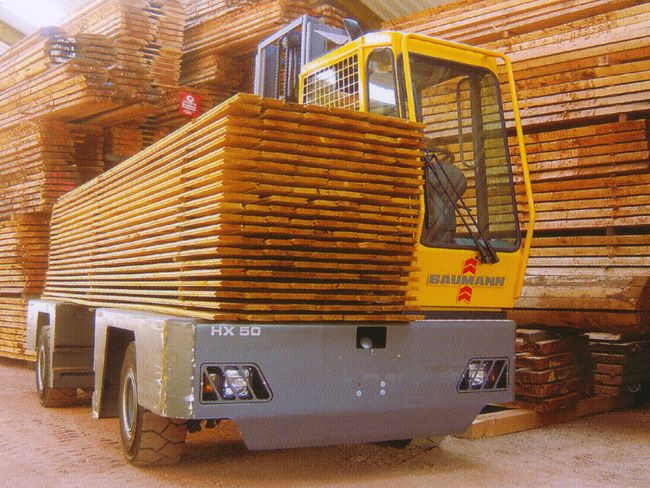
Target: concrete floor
(68, 448)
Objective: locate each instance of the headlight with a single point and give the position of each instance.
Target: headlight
(484, 374)
(477, 372)
(233, 383)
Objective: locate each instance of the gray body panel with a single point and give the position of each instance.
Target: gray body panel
(71, 337)
(324, 388)
(327, 391)
(164, 356)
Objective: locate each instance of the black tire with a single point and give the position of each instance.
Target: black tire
(147, 439)
(49, 397)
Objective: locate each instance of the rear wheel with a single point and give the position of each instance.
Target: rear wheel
(49, 397)
(147, 439)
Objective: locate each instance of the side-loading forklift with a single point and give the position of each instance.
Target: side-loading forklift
(292, 385)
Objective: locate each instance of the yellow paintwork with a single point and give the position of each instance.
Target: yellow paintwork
(447, 264)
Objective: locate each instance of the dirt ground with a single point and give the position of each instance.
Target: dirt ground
(68, 448)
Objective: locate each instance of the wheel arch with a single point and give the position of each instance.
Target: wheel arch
(108, 365)
(165, 361)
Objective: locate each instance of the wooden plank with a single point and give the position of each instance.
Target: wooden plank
(512, 420)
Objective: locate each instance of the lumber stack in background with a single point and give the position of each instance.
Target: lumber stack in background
(201, 11)
(553, 369)
(122, 142)
(221, 40)
(197, 11)
(40, 161)
(478, 22)
(147, 37)
(257, 211)
(168, 117)
(51, 74)
(112, 62)
(595, 67)
(240, 30)
(621, 363)
(72, 99)
(583, 78)
(83, 97)
(24, 240)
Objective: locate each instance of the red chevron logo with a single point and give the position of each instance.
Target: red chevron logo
(464, 294)
(470, 266)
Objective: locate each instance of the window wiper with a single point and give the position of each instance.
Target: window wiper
(486, 250)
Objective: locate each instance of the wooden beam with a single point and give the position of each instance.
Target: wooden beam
(368, 18)
(13, 28)
(9, 34)
(510, 421)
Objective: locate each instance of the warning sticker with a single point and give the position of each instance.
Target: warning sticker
(190, 104)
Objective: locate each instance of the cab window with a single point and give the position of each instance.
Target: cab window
(382, 91)
(469, 187)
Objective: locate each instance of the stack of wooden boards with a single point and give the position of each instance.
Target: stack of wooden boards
(41, 160)
(71, 101)
(221, 39)
(583, 77)
(146, 37)
(478, 22)
(622, 363)
(81, 98)
(51, 74)
(257, 211)
(240, 30)
(23, 261)
(553, 369)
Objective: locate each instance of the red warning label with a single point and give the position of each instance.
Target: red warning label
(190, 104)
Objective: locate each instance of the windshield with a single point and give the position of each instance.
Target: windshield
(470, 172)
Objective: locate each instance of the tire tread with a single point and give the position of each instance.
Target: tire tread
(53, 397)
(161, 439)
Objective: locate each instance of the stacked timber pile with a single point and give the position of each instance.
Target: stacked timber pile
(553, 369)
(583, 77)
(168, 117)
(122, 142)
(478, 22)
(622, 364)
(221, 39)
(84, 97)
(583, 70)
(591, 247)
(257, 211)
(71, 102)
(37, 166)
(43, 76)
(147, 36)
(114, 55)
(23, 261)
(196, 11)
(39, 161)
(201, 11)
(240, 30)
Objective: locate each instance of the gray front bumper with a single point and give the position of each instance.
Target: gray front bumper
(326, 390)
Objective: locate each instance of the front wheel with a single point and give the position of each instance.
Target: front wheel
(147, 439)
(49, 397)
